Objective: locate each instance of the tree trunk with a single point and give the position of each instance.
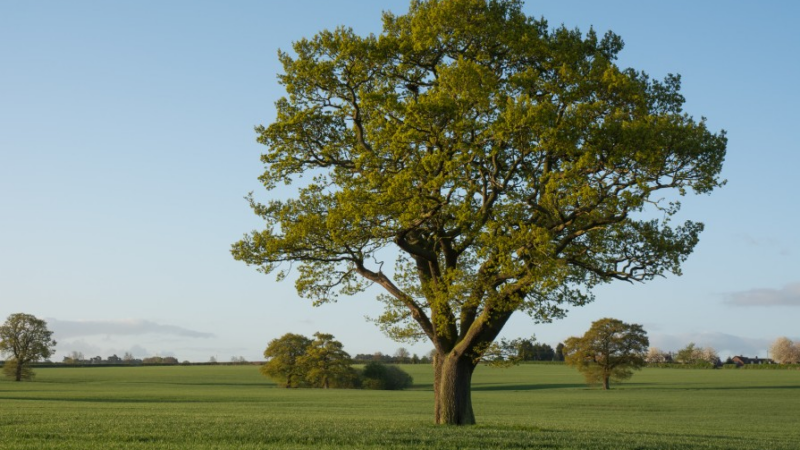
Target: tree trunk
(605, 382)
(451, 386)
(18, 371)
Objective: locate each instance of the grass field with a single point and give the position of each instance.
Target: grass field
(530, 407)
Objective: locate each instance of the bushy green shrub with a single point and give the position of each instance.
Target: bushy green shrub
(379, 376)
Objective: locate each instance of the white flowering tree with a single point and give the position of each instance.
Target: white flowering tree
(784, 351)
(655, 356)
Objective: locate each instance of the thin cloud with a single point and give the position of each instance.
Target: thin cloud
(757, 242)
(69, 329)
(767, 243)
(89, 349)
(789, 295)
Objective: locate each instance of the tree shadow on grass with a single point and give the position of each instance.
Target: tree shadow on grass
(143, 400)
(515, 387)
(736, 388)
(199, 383)
(614, 387)
(524, 387)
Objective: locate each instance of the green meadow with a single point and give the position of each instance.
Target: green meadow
(524, 407)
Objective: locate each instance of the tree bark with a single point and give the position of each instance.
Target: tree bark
(605, 382)
(18, 371)
(451, 386)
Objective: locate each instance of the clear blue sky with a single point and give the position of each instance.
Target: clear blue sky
(127, 145)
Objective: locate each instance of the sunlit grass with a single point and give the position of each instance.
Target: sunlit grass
(532, 406)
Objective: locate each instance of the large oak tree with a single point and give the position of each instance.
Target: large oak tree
(508, 166)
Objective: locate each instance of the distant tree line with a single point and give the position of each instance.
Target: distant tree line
(691, 355)
(77, 358)
(166, 360)
(782, 352)
(401, 356)
(503, 351)
(506, 352)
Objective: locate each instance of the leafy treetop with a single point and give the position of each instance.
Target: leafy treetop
(507, 165)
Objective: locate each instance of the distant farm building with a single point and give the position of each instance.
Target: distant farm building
(743, 360)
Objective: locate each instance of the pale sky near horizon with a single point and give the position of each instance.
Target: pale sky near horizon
(127, 146)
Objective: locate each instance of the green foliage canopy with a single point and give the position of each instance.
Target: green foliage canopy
(504, 162)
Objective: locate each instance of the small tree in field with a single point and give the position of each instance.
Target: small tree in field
(784, 351)
(25, 339)
(508, 166)
(296, 361)
(283, 360)
(611, 349)
(326, 364)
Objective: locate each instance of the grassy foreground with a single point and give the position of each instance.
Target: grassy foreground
(530, 407)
